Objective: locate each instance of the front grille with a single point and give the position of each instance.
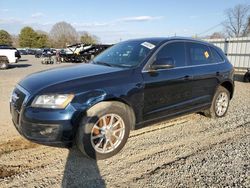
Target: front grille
(17, 99)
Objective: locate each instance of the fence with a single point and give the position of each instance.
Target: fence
(236, 49)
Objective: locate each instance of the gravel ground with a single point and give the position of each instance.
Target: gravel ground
(189, 151)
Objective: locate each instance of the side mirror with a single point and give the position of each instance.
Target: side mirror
(163, 63)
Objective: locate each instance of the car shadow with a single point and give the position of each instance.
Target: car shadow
(13, 66)
(21, 60)
(239, 77)
(81, 171)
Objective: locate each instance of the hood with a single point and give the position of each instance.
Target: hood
(38, 81)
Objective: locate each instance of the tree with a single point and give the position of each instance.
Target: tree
(217, 35)
(15, 41)
(248, 27)
(86, 38)
(237, 20)
(63, 34)
(42, 41)
(28, 37)
(32, 39)
(5, 38)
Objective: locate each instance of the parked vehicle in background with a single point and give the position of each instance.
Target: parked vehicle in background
(45, 52)
(31, 51)
(38, 53)
(8, 55)
(247, 76)
(22, 52)
(133, 82)
(81, 53)
(17, 54)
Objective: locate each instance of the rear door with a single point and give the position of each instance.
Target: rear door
(205, 72)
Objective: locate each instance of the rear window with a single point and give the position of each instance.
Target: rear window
(216, 56)
(198, 54)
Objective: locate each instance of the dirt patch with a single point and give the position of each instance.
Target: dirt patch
(10, 170)
(15, 145)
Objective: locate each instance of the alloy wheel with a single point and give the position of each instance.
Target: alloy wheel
(107, 133)
(221, 104)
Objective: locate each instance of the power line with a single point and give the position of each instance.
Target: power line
(211, 28)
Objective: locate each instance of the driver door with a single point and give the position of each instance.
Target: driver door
(168, 91)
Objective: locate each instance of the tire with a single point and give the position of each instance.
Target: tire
(95, 140)
(220, 101)
(43, 61)
(247, 77)
(4, 62)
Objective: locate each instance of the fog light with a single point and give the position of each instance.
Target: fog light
(48, 131)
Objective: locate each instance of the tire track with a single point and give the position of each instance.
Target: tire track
(193, 147)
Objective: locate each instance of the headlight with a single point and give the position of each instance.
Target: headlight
(56, 101)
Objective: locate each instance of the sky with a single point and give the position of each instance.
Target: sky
(116, 20)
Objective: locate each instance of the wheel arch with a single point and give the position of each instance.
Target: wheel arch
(113, 99)
(130, 108)
(4, 58)
(229, 86)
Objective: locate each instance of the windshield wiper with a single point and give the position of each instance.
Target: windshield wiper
(102, 63)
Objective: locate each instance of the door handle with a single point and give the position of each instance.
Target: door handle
(187, 77)
(139, 85)
(218, 73)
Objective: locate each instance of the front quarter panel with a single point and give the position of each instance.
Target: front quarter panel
(128, 91)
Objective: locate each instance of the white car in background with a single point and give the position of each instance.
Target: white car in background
(8, 55)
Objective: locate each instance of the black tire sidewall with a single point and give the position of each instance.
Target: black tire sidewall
(86, 125)
(247, 77)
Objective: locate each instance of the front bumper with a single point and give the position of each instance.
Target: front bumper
(51, 127)
(35, 125)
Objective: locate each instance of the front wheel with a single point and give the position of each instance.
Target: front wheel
(220, 103)
(104, 130)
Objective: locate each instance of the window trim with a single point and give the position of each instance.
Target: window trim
(150, 61)
(189, 60)
(216, 51)
(145, 69)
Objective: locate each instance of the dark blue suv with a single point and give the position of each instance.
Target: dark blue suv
(96, 105)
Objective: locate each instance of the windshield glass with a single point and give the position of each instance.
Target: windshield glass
(125, 54)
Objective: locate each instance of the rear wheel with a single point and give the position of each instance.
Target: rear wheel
(247, 77)
(4, 63)
(104, 130)
(220, 103)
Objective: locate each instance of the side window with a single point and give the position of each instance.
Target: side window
(216, 57)
(176, 51)
(198, 54)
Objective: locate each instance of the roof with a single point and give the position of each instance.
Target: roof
(158, 40)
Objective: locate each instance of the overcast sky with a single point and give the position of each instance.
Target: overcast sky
(114, 20)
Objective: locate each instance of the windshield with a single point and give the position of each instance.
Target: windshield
(125, 54)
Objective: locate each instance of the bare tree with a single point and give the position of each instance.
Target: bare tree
(63, 34)
(217, 35)
(237, 20)
(248, 27)
(15, 40)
